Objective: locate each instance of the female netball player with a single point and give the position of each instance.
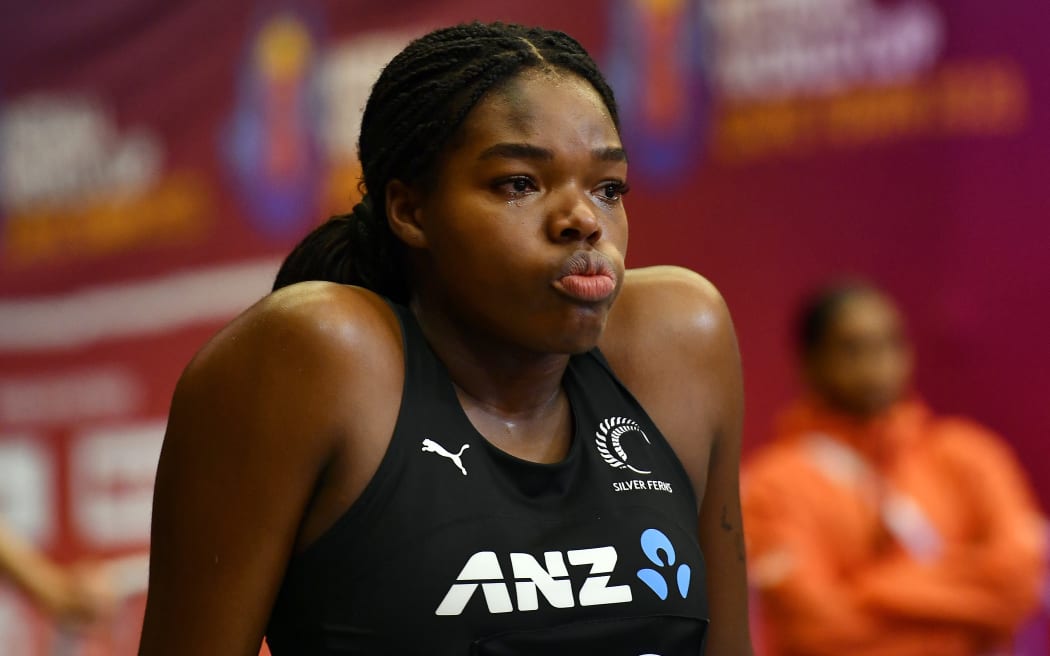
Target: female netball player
(494, 440)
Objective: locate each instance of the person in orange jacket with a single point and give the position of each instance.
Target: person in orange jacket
(875, 527)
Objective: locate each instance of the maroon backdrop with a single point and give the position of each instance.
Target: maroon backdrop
(157, 158)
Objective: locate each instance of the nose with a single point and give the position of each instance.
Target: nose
(573, 219)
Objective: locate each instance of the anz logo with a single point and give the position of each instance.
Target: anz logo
(653, 543)
(551, 579)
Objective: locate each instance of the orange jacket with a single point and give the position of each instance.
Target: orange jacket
(904, 535)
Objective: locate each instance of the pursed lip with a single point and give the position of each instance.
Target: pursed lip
(590, 266)
(587, 263)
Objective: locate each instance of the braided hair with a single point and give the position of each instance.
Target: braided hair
(417, 106)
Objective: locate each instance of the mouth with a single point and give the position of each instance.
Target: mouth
(587, 276)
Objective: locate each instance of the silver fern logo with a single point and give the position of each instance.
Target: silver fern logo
(608, 438)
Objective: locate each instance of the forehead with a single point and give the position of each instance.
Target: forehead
(558, 107)
(865, 312)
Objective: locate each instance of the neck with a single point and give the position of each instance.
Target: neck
(503, 379)
(512, 396)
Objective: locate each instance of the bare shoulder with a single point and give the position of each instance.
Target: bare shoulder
(285, 360)
(298, 385)
(670, 340)
(304, 319)
(666, 309)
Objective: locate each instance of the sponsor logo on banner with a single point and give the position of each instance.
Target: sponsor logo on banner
(27, 484)
(75, 184)
(792, 76)
(271, 143)
(318, 123)
(764, 49)
(656, 66)
(111, 478)
(345, 77)
(57, 399)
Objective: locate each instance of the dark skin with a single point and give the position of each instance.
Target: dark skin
(282, 419)
(863, 363)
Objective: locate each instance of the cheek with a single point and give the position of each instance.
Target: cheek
(470, 214)
(483, 254)
(900, 372)
(619, 232)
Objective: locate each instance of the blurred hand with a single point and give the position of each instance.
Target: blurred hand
(85, 594)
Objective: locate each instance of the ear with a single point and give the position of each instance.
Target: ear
(404, 213)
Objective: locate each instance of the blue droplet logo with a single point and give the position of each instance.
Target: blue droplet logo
(655, 581)
(658, 549)
(683, 580)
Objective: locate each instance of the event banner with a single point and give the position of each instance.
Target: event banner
(158, 159)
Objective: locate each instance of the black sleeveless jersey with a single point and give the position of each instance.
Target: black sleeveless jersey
(456, 547)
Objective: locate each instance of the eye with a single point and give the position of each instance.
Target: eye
(515, 187)
(613, 191)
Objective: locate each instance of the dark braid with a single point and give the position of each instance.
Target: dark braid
(415, 109)
(323, 255)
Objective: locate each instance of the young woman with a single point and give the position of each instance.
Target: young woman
(471, 449)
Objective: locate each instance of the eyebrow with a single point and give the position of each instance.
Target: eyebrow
(517, 151)
(611, 154)
(529, 151)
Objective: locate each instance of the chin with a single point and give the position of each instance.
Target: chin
(573, 332)
(579, 346)
(571, 339)
(872, 408)
(586, 329)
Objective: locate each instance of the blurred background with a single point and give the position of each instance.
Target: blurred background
(157, 160)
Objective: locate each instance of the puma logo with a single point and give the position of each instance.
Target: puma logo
(430, 446)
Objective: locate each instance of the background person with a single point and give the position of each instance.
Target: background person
(874, 525)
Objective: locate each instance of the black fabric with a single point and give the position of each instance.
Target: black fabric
(634, 636)
(513, 556)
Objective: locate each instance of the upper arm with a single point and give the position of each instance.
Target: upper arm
(250, 428)
(810, 604)
(687, 374)
(1005, 510)
(721, 527)
(1007, 547)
